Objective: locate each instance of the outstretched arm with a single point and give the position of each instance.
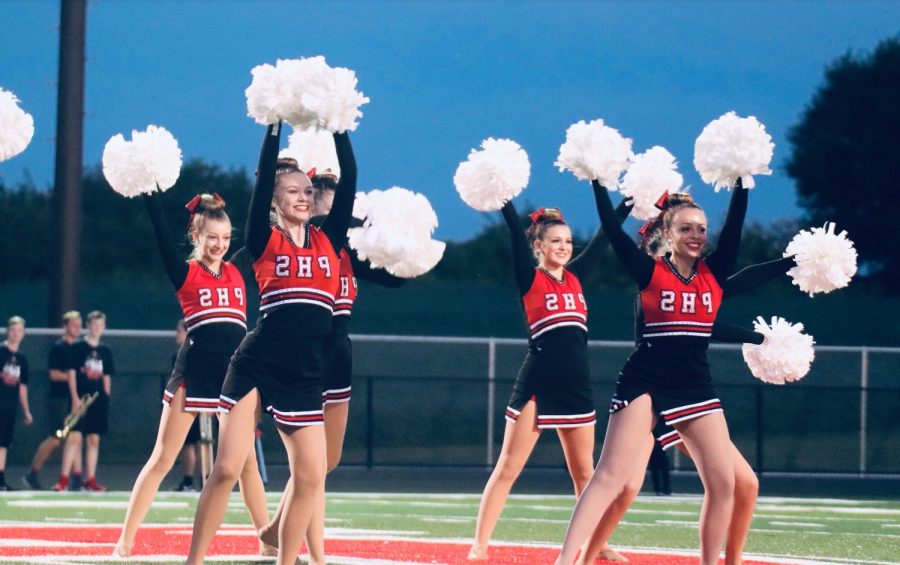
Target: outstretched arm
(729, 333)
(176, 268)
(638, 264)
(364, 271)
(523, 259)
(338, 221)
(591, 253)
(258, 230)
(751, 277)
(721, 261)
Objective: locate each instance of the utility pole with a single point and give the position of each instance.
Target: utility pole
(65, 246)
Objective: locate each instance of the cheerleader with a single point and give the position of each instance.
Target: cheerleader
(552, 389)
(279, 363)
(337, 357)
(213, 299)
(746, 484)
(668, 375)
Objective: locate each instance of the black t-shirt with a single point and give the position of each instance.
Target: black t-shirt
(13, 372)
(61, 360)
(91, 364)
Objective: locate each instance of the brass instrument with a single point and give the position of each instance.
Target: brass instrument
(76, 415)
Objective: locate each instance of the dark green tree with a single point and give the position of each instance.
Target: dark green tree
(845, 156)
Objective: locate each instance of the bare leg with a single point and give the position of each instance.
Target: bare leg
(44, 450)
(706, 437)
(618, 463)
(335, 429)
(236, 430)
(746, 489)
(598, 544)
(91, 455)
(71, 452)
(173, 428)
(519, 440)
(306, 453)
(578, 449)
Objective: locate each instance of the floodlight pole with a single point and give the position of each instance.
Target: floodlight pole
(65, 246)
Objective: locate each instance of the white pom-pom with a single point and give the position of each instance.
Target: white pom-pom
(150, 161)
(825, 261)
(16, 126)
(490, 178)
(652, 173)
(396, 233)
(594, 151)
(312, 148)
(785, 354)
(731, 148)
(306, 93)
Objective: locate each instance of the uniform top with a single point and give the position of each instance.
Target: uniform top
(298, 283)
(674, 306)
(93, 363)
(347, 289)
(13, 372)
(551, 306)
(214, 305)
(61, 359)
(681, 310)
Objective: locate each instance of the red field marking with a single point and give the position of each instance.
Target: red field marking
(175, 540)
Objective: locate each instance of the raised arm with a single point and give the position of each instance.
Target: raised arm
(721, 261)
(751, 277)
(523, 258)
(591, 253)
(364, 271)
(176, 267)
(637, 263)
(258, 230)
(338, 221)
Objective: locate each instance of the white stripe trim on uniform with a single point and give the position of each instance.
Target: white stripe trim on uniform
(298, 424)
(337, 390)
(297, 289)
(340, 312)
(668, 334)
(217, 320)
(559, 325)
(302, 413)
(560, 315)
(695, 415)
(343, 301)
(556, 426)
(685, 323)
(217, 311)
(335, 400)
(686, 406)
(298, 301)
(569, 416)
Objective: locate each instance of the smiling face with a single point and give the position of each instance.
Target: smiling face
(687, 233)
(555, 247)
(293, 198)
(212, 240)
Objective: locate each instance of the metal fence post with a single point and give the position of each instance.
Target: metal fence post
(759, 430)
(863, 407)
(491, 399)
(370, 423)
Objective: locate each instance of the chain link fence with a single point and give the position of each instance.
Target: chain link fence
(430, 401)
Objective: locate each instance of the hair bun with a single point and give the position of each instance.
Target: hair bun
(287, 162)
(677, 198)
(208, 203)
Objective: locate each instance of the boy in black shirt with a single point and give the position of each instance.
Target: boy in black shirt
(13, 388)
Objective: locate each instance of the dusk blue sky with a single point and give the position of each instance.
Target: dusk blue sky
(442, 76)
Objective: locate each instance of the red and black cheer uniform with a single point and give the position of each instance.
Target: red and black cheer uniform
(215, 315)
(282, 356)
(59, 401)
(13, 373)
(337, 353)
(555, 372)
(743, 281)
(675, 317)
(93, 363)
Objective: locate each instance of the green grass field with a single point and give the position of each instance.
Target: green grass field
(785, 530)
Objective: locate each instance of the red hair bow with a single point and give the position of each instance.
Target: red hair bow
(536, 215)
(663, 201)
(195, 201)
(311, 173)
(661, 204)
